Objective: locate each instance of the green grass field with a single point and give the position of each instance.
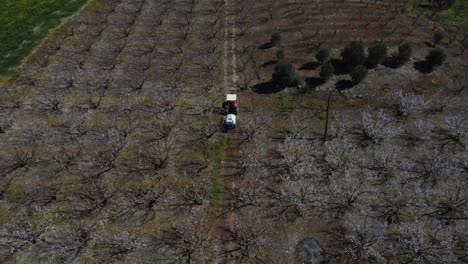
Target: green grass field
(25, 22)
(455, 15)
(458, 14)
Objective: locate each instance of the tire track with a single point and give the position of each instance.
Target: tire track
(230, 59)
(226, 44)
(233, 54)
(226, 222)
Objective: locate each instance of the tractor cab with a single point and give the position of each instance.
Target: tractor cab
(230, 122)
(230, 106)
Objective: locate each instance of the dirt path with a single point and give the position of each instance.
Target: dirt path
(226, 44)
(230, 155)
(233, 53)
(230, 73)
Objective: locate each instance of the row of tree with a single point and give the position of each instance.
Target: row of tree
(355, 61)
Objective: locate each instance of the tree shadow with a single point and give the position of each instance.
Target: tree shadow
(429, 44)
(427, 6)
(392, 62)
(268, 63)
(310, 66)
(267, 87)
(343, 85)
(314, 82)
(340, 67)
(422, 67)
(265, 46)
(371, 66)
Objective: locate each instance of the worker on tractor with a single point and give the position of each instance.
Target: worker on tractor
(230, 106)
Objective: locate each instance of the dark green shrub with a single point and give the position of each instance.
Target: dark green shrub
(284, 74)
(326, 71)
(280, 54)
(442, 4)
(404, 53)
(358, 74)
(323, 55)
(437, 38)
(435, 58)
(275, 39)
(353, 55)
(377, 55)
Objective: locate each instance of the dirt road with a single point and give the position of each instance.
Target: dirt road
(230, 156)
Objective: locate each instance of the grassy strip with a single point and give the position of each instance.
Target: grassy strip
(456, 15)
(215, 188)
(25, 23)
(285, 103)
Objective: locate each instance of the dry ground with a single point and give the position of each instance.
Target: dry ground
(111, 152)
